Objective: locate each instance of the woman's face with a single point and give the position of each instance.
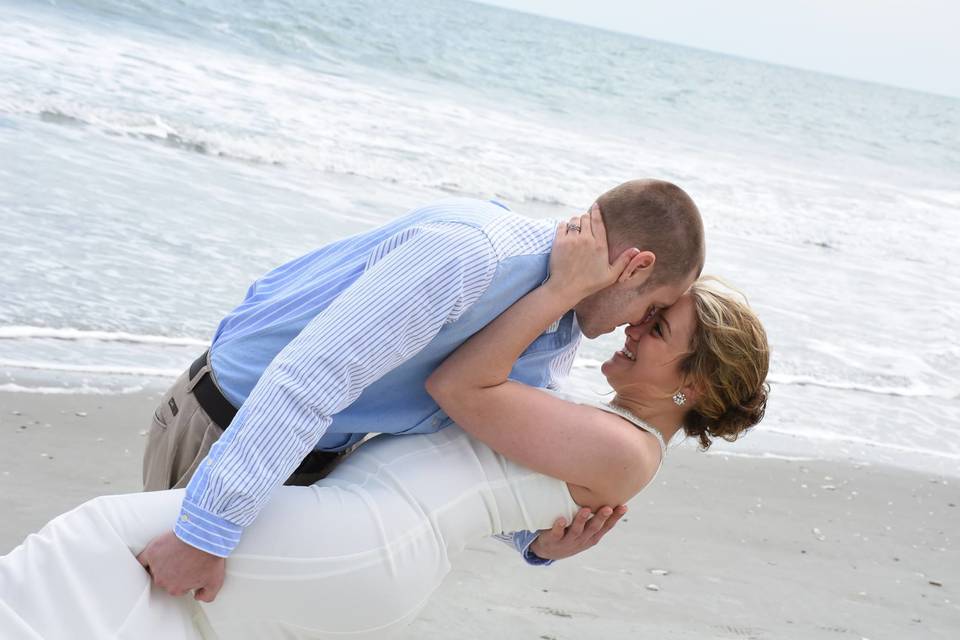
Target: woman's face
(648, 366)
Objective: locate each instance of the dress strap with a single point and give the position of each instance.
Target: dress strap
(620, 411)
(626, 415)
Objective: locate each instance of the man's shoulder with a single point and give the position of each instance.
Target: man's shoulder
(510, 233)
(516, 235)
(470, 211)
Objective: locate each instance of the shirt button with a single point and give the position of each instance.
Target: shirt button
(184, 518)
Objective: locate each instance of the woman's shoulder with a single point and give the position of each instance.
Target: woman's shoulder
(630, 464)
(648, 441)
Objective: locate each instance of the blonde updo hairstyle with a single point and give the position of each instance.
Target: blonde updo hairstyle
(727, 364)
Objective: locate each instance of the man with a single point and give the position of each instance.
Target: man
(339, 343)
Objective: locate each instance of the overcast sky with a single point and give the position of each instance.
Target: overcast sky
(914, 44)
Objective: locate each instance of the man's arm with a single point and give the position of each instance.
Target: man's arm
(384, 318)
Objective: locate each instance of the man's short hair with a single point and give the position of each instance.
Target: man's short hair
(657, 216)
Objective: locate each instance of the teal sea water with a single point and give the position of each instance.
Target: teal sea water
(156, 157)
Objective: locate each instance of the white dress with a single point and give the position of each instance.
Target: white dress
(355, 556)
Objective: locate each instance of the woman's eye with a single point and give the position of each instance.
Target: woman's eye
(657, 330)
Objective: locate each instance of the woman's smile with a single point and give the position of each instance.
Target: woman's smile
(629, 350)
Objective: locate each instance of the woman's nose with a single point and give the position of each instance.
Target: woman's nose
(637, 331)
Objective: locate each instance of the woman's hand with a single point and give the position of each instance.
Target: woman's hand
(580, 261)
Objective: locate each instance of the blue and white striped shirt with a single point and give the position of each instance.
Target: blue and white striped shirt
(339, 342)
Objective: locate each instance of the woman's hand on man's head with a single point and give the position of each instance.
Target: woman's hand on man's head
(580, 261)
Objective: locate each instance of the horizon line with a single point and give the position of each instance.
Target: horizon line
(737, 56)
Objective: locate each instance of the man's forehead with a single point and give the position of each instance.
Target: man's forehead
(666, 299)
(667, 295)
(679, 302)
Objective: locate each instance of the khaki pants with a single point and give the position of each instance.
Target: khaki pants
(181, 433)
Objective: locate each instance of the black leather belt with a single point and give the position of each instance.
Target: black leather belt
(208, 395)
(220, 410)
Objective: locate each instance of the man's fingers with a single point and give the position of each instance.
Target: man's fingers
(142, 559)
(597, 521)
(611, 521)
(208, 593)
(576, 528)
(558, 529)
(618, 513)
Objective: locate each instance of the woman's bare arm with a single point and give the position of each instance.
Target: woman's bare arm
(582, 445)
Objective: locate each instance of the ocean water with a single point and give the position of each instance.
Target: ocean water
(157, 157)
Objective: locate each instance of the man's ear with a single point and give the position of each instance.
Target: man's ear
(640, 266)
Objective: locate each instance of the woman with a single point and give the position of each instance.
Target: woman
(359, 553)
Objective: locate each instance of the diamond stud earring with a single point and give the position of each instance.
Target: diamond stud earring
(679, 398)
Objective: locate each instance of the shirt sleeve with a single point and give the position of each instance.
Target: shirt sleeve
(389, 314)
(521, 541)
(562, 363)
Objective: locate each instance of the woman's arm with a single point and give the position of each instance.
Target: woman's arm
(579, 444)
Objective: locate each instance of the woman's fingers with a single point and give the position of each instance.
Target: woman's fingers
(580, 260)
(596, 223)
(621, 266)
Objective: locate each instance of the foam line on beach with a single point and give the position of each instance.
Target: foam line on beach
(825, 436)
(26, 332)
(844, 385)
(763, 456)
(90, 368)
(808, 380)
(84, 390)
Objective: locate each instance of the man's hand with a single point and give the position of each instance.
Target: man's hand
(562, 541)
(177, 567)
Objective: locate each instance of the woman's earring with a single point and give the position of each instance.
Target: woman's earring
(679, 398)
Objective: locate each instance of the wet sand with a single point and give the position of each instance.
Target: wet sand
(751, 548)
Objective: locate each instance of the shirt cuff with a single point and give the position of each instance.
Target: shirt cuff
(206, 531)
(522, 541)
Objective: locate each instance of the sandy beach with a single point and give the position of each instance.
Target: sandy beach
(719, 547)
